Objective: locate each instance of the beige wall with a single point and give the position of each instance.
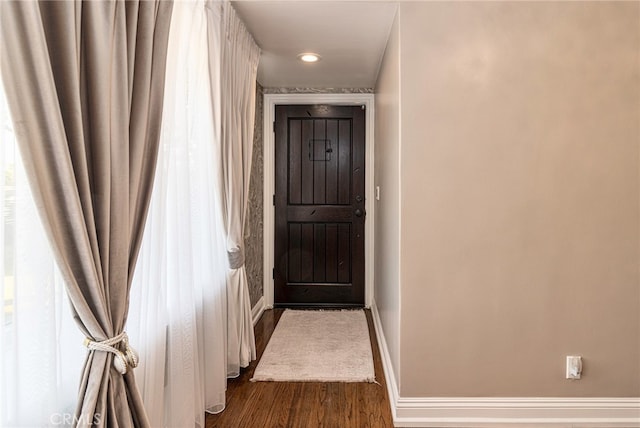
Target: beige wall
(519, 208)
(387, 177)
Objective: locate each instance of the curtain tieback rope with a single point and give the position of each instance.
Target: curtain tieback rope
(121, 360)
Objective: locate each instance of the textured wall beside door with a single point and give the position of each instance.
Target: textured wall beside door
(254, 227)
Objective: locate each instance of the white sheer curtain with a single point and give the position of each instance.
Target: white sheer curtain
(233, 59)
(41, 350)
(178, 307)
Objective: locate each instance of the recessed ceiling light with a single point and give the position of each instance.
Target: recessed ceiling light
(309, 57)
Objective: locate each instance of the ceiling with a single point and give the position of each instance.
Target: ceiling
(350, 36)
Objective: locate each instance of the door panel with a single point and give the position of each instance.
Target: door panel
(319, 236)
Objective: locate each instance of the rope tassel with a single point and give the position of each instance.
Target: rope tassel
(122, 360)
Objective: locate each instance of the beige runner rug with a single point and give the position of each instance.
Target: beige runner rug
(318, 346)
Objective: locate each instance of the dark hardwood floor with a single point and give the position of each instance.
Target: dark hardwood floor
(303, 404)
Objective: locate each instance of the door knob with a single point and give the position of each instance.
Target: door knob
(358, 212)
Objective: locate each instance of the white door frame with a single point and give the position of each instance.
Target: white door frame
(270, 102)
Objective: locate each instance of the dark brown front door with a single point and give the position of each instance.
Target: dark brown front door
(319, 213)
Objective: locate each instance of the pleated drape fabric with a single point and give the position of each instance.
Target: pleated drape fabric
(233, 65)
(84, 82)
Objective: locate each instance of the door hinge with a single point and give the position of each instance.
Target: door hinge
(274, 200)
(273, 273)
(274, 126)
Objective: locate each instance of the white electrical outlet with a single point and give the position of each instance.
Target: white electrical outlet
(574, 367)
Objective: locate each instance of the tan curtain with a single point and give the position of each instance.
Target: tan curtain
(84, 81)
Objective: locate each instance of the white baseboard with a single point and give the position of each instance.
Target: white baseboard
(389, 375)
(503, 412)
(257, 310)
(517, 412)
